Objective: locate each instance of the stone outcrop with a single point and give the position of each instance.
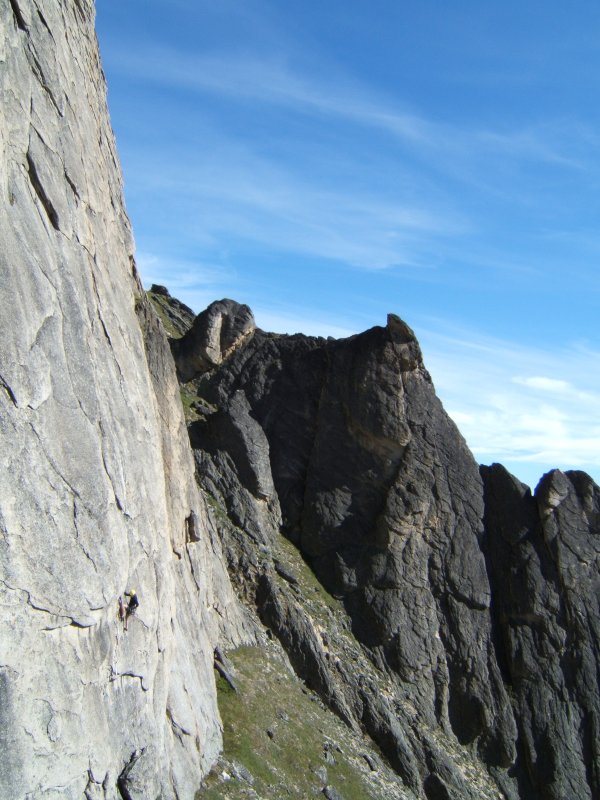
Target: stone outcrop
(97, 493)
(476, 601)
(175, 315)
(214, 335)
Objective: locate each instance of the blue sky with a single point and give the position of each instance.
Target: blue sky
(327, 163)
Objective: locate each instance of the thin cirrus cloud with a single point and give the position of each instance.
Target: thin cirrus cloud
(272, 81)
(269, 81)
(275, 319)
(553, 385)
(194, 282)
(408, 206)
(230, 191)
(509, 411)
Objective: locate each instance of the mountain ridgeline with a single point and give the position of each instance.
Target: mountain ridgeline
(334, 598)
(475, 602)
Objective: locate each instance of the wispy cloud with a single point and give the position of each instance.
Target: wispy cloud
(195, 283)
(273, 80)
(552, 385)
(509, 412)
(229, 191)
(269, 80)
(367, 182)
(299, 321)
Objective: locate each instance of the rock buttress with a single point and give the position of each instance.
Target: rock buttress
(96, 475)
(476, 601)
(543, 553)
(378, 490)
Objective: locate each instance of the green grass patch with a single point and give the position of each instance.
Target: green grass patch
(189, 397)
(158, 301)
(324, 609)
(220, 511)
(277, 732)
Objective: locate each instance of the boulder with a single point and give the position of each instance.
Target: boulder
(215, 334)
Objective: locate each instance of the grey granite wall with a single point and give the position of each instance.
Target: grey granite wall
(96, 473)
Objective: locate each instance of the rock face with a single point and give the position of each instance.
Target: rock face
(543, 554)
(460, 627)
(477, 602)
(97, 492)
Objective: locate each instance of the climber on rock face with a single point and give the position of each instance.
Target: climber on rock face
(131, 605)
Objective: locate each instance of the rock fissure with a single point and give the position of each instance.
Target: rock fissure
(79, 539)
(192, 569)
(36, 606)
(102, 323)
(39, 190)
(44, 83)
(72, 185)
(43, 21)
(103, 438)
(9, 391)
(128, 674)
(18, 16)
(52, 462)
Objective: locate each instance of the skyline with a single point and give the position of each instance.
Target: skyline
(328, 166)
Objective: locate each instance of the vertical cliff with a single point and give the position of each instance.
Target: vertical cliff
(97, 493)
(543, 552)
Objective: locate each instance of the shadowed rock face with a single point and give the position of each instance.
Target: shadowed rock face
(480, 600)
(543, 554)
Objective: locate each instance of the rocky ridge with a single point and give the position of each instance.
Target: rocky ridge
(470, 605)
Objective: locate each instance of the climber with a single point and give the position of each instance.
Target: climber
(131, 605)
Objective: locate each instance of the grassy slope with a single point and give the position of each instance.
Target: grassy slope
(281, 742)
